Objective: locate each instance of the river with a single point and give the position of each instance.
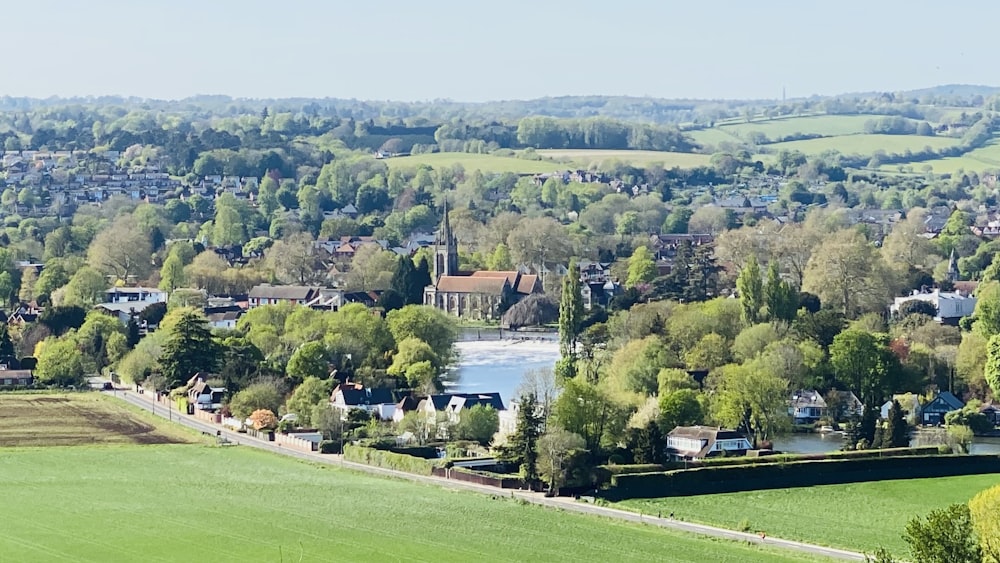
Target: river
(497, 365)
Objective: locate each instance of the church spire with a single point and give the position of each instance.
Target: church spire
(953, 267)
(445, 249)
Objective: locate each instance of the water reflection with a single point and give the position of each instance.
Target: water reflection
(824, 443)
(499, 365)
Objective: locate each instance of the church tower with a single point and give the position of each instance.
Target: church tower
(445, 249)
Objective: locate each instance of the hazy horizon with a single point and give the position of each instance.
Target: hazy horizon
(474, 53)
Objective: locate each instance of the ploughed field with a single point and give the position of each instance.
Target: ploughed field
(75, 419)
(857, 516)
(210, 503)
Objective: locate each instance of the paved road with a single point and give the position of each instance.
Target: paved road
(146, 402)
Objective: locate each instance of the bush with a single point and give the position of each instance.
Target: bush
(329, 447)
(387, 460)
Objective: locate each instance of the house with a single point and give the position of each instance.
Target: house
(847, 405)
(224, 319)
(450, 404)
(462, 401)
(951, 305)
(478, 295)
(202, 395)
(699, 442)
(910, 403)
(15, 377)
(135, 295)
(806, 407)
(933, 412)
(267, 294)
(379, 401)
(125, 311)
(989, 410)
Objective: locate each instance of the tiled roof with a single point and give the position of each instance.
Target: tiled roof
(267, 291)
(472, 284)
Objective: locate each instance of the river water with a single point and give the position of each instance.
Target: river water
(497, 365)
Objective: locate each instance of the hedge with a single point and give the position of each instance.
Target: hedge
(636, 468)
(857, 454)
(750, 477)
(425, 452)
(387, 459)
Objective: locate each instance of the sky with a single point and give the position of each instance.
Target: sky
(477, 51)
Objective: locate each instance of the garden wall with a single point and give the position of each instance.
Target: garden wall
(295, 443)
(735, 478)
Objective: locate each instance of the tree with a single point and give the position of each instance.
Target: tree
(847, 273)
(85, 288)
(945, 536)
(311, 392)
(227, 227)
(780, 297)
(752, 399)
(309, 361)
(189, 349)
(534, 310)
(991, 370)
(570, 316)
(648, 443)
(408, 281)
(710, 352)
(983, 510)
(641, 267)
(29, 278)
(371, 268)
(478, 424)
(897, 431)
(427, 324)
(63, 318)
(172, 273)
(122, 250)
(987, 312)
(555, 449)
(586, 409)
(539, 242)
(499, 260)
(263, 419)
(522, 446)
(60, 362)
(860, 362)
(679, 408)
(294, 260)
(751, 289)
(917, 307)
(262, 395)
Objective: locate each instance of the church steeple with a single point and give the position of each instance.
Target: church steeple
(953, 267)
(445, 249)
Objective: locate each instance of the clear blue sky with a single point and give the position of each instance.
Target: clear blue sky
(473, 50)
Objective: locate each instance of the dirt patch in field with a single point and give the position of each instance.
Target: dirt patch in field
(77, 419)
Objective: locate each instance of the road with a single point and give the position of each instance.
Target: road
(563, 503)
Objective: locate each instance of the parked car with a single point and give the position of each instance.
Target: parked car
(108, 386)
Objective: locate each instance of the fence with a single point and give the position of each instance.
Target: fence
(458, 474)
(209, 417)
(294, 443)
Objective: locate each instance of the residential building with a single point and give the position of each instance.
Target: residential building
(847, 405)
(699, 442)
(989, 410)
(135, 295)
(267, 294)
(15, 377)
(933, 412)
(807, 406)
(951, 305)
(203, 396)
(380, 401)
(910, 404)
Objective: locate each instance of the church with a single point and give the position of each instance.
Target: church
(479, 295)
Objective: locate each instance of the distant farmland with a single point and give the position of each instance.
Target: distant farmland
(826, 125)
(472, 161)
(589, 157)
(866, 144)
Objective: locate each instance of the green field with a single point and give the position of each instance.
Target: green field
(206, 503)
(472, 161)
(860, 516)
(712, 137)
(984, 158)
(827, 125)
(865, 144)
(585, 158)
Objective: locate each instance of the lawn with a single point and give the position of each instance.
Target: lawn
(588, 157)
(865, 144)
(826, 125)
(191, 503)
(74, 419)
(472, 161)
(860, 516)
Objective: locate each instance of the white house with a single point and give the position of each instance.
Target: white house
(951, 305)
(348, 396)
(807, 406)
(135, 295)
(697, 442)
(267, 294)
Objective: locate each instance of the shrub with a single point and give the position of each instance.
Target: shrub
(388, 460)
(263, 419)
(329, 447)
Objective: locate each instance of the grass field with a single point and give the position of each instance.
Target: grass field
(983, 158)
(865, 144)
(586, 157)
(190, 503)
(33, 419)
(472, 161)
(860, 516)
(827, 125)
(712, 136)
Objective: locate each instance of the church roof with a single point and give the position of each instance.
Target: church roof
(472, 284)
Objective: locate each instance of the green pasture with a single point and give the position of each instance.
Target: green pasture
(471, 161)
(865, 144)
(986, 157)
(713, 136)
(826, 125)
(210, 503)
(586, 158)
(859, 516)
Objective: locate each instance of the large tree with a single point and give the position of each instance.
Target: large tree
(752, 399)
(60, 362)
(189, 348)
(750, 286)
(311, 392)
(641, 267)
(122, 250)
(945, 536)
(556, 449)
(521, 449)
(863, 364)
(294, 260)
(427, 324)
(570, 317)
(848, 274)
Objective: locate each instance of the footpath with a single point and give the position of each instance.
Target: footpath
(148, 401)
